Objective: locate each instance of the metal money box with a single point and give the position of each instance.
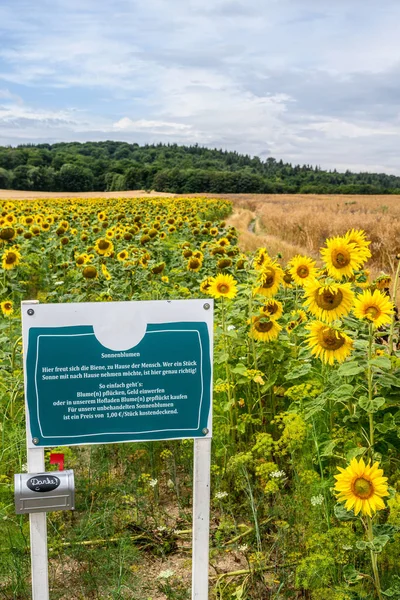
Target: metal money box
(44, 492)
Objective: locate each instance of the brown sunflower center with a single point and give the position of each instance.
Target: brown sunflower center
(373, 312)
(362, 488)
(287, 278)
(7, 305)
(11, 258)
(223, 288)
(328, 300)
(263, 326)
(268, 279)
(331, 340)
(340, 258)
(271, 309)
(303, 271)
(104, 244)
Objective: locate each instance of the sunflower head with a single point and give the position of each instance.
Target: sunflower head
(11, 258)
(341, 257)
(302, 269)
(223, 286)
(362, 487)
(328, 343)
(264, 329)
(376, 307)
(270, 277)
(272, 309)
(328, 302)
(90, 272)
(7, 308)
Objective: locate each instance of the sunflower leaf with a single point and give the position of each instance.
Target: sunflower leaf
(342, 514)
(349, 369)
(381, 362)
(371, 406)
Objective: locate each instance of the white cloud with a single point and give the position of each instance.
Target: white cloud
(295, 79)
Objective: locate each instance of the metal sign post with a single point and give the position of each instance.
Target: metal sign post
(99, 373)
(201, 518)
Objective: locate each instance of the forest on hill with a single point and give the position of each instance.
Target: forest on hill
(117, 166)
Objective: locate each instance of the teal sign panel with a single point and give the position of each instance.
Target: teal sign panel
(79, 392)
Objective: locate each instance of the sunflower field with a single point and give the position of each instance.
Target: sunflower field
(306, 448)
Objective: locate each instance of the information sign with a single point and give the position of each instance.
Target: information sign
(118, 371)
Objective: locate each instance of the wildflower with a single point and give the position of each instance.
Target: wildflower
(375, 307)
(317, 500)
(221, 495)
(277, 474)
(231, 327)
(167, 574)
(361, 487)
(153, 483)
(328, 343)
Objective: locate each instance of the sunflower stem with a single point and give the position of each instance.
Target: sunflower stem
(370, 386)
(395, 286)
(374, 559)
(232, 409)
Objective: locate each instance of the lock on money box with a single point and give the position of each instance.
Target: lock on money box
(44, 492)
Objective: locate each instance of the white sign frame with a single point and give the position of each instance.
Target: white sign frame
(178, 311)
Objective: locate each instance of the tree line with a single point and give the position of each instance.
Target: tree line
(117, 166)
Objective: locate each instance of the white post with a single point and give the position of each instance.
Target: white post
(37, 521)
(201, 518)
(38, 530)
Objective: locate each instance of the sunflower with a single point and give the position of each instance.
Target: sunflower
(297, 317)
(374, 306)
(123, 255)
(104, 247)
(302, 269)
(223, 286)
(328, 302)
(8, 234)
(328, 343)
(358, 237)
(7, 308)
(90, 272)
(362, 487)
(82, 259)
(341, 257)
(11, 258)
(270, 278)
(381, 283)
(194, 264)
(272, 309)
(287, 279)
(260, 258)
(264, 329)
(105, 272)
(205, 285)
(158, 268)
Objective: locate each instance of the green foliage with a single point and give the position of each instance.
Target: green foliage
(114, 166)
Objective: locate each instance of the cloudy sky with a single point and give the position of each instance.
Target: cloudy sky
(308, 81)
